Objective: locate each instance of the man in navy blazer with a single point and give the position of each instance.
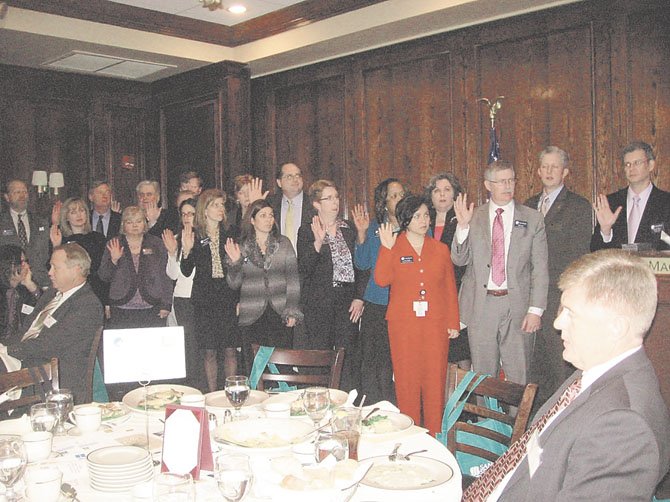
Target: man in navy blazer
(636, 214)
(611, 441)
(100, 195)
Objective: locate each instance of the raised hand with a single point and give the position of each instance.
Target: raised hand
(463, 211)
(256, 190)
(233, 250)
(187, 240)
(116, 206)
(55, 235)
(319, 230)
(386, 235)
(606, 217)
(27, 278)
(170, 242)
(115, 250)
(153, 212)
(361, 221)
(55, 212)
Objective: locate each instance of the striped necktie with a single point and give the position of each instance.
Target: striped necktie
(23, 235)
(38, 323)
(487, 482)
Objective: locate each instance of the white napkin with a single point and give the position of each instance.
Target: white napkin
(353, 394)
(12, 364)
(665, 237)
(16, 426)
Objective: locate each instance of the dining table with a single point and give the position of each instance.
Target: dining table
(69, 455)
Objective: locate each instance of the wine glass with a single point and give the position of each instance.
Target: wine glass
(237, 391)
(43, 416)
(64, 405)
(316, 401)
(233, 475)
(12, 464)
(173, 487)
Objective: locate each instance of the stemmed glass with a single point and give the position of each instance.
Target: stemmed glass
(12, 464)
(316, 401)
(43, 416)
(173, 487)
(237, 391)
(64, 405)
(233, 475)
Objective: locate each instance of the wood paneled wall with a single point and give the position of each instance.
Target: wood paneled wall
(588, 77)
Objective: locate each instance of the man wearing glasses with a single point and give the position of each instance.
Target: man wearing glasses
(504, 290)
(645, 208)
(289, 205)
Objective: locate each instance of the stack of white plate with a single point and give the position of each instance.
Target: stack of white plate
(119, 468)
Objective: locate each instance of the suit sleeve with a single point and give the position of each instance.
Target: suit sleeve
(539, 278)
(308, 258)
(451, 307)
(612, 460)
(292, 281)
(461, 254)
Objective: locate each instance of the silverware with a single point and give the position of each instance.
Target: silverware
(300, 438)
(372, 412)
(394, 454)
(69, 492)
(405, 456)
(354, 486)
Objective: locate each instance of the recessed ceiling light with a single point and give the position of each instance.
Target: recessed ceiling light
(237, 9)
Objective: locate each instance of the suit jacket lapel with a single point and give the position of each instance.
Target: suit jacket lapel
(557, 206)
(650, 209)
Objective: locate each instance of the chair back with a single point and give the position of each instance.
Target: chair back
(25, 379)
(90, 365)
(512, 396)
(319, 367)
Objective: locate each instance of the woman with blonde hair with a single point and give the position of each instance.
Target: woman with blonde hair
(214, 302)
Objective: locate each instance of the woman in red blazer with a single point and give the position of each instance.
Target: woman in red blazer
(423, 310)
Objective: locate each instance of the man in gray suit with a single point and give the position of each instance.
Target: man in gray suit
(605, 434)
(568, 222)
(22, 228)
(504, 290)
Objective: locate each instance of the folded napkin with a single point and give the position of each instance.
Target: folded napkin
(16, 426)
(12, 364)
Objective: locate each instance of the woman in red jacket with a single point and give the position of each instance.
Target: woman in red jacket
(423, 310)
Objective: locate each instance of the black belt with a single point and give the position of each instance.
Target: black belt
(496, 292)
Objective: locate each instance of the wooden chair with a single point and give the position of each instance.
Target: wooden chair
(27, 378)
(330, 361)
(90, 365)
(508, 394)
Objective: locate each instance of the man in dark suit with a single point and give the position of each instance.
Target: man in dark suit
(22, 228)
(504, 290)
(290, 206)
(64, 322)
(605, 434)
(148, 198)
(645, 208)
(103, 219)
(568, 224)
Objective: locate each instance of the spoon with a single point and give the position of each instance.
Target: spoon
(354, 487)
(69, 491)
(405, 456)
(394, 454)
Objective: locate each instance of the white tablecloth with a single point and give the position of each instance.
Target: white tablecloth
(71, 451)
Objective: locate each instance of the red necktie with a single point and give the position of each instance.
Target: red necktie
(498, 249)
(487, 482)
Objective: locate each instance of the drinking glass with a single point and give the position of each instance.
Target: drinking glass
(173, 487)
(64, 405)
(316, 401)
(347, 421)
(12, 464)
(333, 444)
(233, 475)
(43, 416)
(237, 391)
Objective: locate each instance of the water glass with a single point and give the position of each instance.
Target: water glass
(331, 444)
(12, 464)
(43, 416)
(316, 401)
(347, 420)
(173, 487)
(233, 475)
(237, 391)
(64, 404)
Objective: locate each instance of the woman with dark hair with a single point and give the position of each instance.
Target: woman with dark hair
(422, 313)
(214, 302)
(264, 266)
(440, 194)
(332, 289)
(377, 372)
(18, 291)
(74, 225)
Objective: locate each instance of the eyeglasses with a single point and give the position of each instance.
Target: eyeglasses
(291, 177)
(508, 182)
(331, 198)
(636, 163)
(396, 196)
(190, 213)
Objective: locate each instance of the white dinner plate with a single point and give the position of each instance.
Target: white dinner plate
(125, 456)
(262, 435)
(337, 398)
(392, 424)
(413, 474)
(133, 398)
(217, 401)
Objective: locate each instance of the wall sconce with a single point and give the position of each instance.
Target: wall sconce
(40, 181)
(56, 181)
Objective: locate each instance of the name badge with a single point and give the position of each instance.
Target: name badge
(205, 241)
(49, 321)
(406, 259)
(657, 228)
(520, 223)
(41, 229)
(27, 309)
(534, 453)
(147, 251)
(8, 231)
(420, 308)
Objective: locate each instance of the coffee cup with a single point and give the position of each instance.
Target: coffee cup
(37, 445)
(195, 400)
(43, 483)
(86, 418)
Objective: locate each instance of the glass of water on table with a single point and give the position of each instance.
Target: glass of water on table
(64, 405)
(43, 416)
(237, 391)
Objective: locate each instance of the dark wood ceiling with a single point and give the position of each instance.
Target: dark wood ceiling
(126, 16)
